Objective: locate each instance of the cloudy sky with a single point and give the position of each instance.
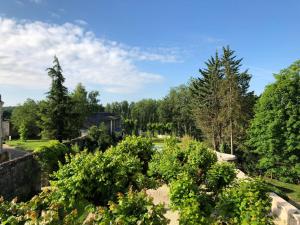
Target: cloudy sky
(134, 49)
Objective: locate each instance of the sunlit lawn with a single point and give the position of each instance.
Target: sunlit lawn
(29, 145)
(291, 190)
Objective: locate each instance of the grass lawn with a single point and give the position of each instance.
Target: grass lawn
(291, 190)
(29, 145)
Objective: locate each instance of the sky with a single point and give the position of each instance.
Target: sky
(135, 49)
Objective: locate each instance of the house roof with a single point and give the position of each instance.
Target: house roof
(97, 118)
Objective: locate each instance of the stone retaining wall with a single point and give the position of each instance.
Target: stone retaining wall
(284, 212)
(20, 177)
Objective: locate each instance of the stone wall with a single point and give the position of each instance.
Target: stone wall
(284, 212)
(20, 177)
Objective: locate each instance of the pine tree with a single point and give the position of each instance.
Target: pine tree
(207, 100)
(236, 98)
(55, 111)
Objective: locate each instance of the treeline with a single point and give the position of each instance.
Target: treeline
(61, 115)
(171, 115)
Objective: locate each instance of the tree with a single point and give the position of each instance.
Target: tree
(235, 92)
(222, 104)
(100, 137)
(94, 105)
(80, 109)
(55, 112)
(175, 109)
(207, 100)
(274, 134)
(25, 119)
(145, 111)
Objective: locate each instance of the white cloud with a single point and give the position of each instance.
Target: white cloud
(27, 49)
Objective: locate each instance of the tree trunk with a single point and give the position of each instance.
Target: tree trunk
(231, 138)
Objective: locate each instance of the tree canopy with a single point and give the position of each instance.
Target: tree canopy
(274, 134)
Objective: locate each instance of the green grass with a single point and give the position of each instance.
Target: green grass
(291, 190)
(29, 145)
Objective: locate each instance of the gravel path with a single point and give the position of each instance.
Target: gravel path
(161, 195)
(13, 152)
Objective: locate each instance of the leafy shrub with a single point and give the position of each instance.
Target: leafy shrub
(191, 214)
(139, 147)
(97, 177)
(200, 159)
(220, 175)
(165, 165)
(42, 209)
(195, 159)
(131, 209)
(246, 202)
(49, 156)
(99, 137)
(182, 189)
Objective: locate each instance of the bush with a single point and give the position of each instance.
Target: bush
(99, 137)
(220, 175)
(195, 159)
(49, 156)
(97, 177)
(182, 190)
(246, 202)
(139, 147)
(200, 159)
(131, 209)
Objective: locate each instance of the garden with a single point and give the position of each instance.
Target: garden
(109, 187)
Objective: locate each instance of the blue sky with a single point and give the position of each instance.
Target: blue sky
(129, 50)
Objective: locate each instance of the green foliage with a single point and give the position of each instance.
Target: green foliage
(176, 109)
(220, 175)
(23, 132)
(130, 127)
(42, 209)
(83, 104)
(195, 159)
(97, 177)
(246, 202)
(131, 209)
(25, 119)
(193, 203)
(182, 190)
(159, 128)
(50, 155)
(139, 147)
(274, 133)
(191, 214)
(100, 137)
(55, 112)
(221, 102)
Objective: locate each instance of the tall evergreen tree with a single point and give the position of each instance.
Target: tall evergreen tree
(235, 113)
(55, 111)
(207, 100)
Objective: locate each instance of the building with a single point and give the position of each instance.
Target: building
(6, 129)
(111, 120)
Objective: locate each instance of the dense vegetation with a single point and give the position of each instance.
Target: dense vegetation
(274, 134)
(85, 184)
(101, 187)
(205, 191)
